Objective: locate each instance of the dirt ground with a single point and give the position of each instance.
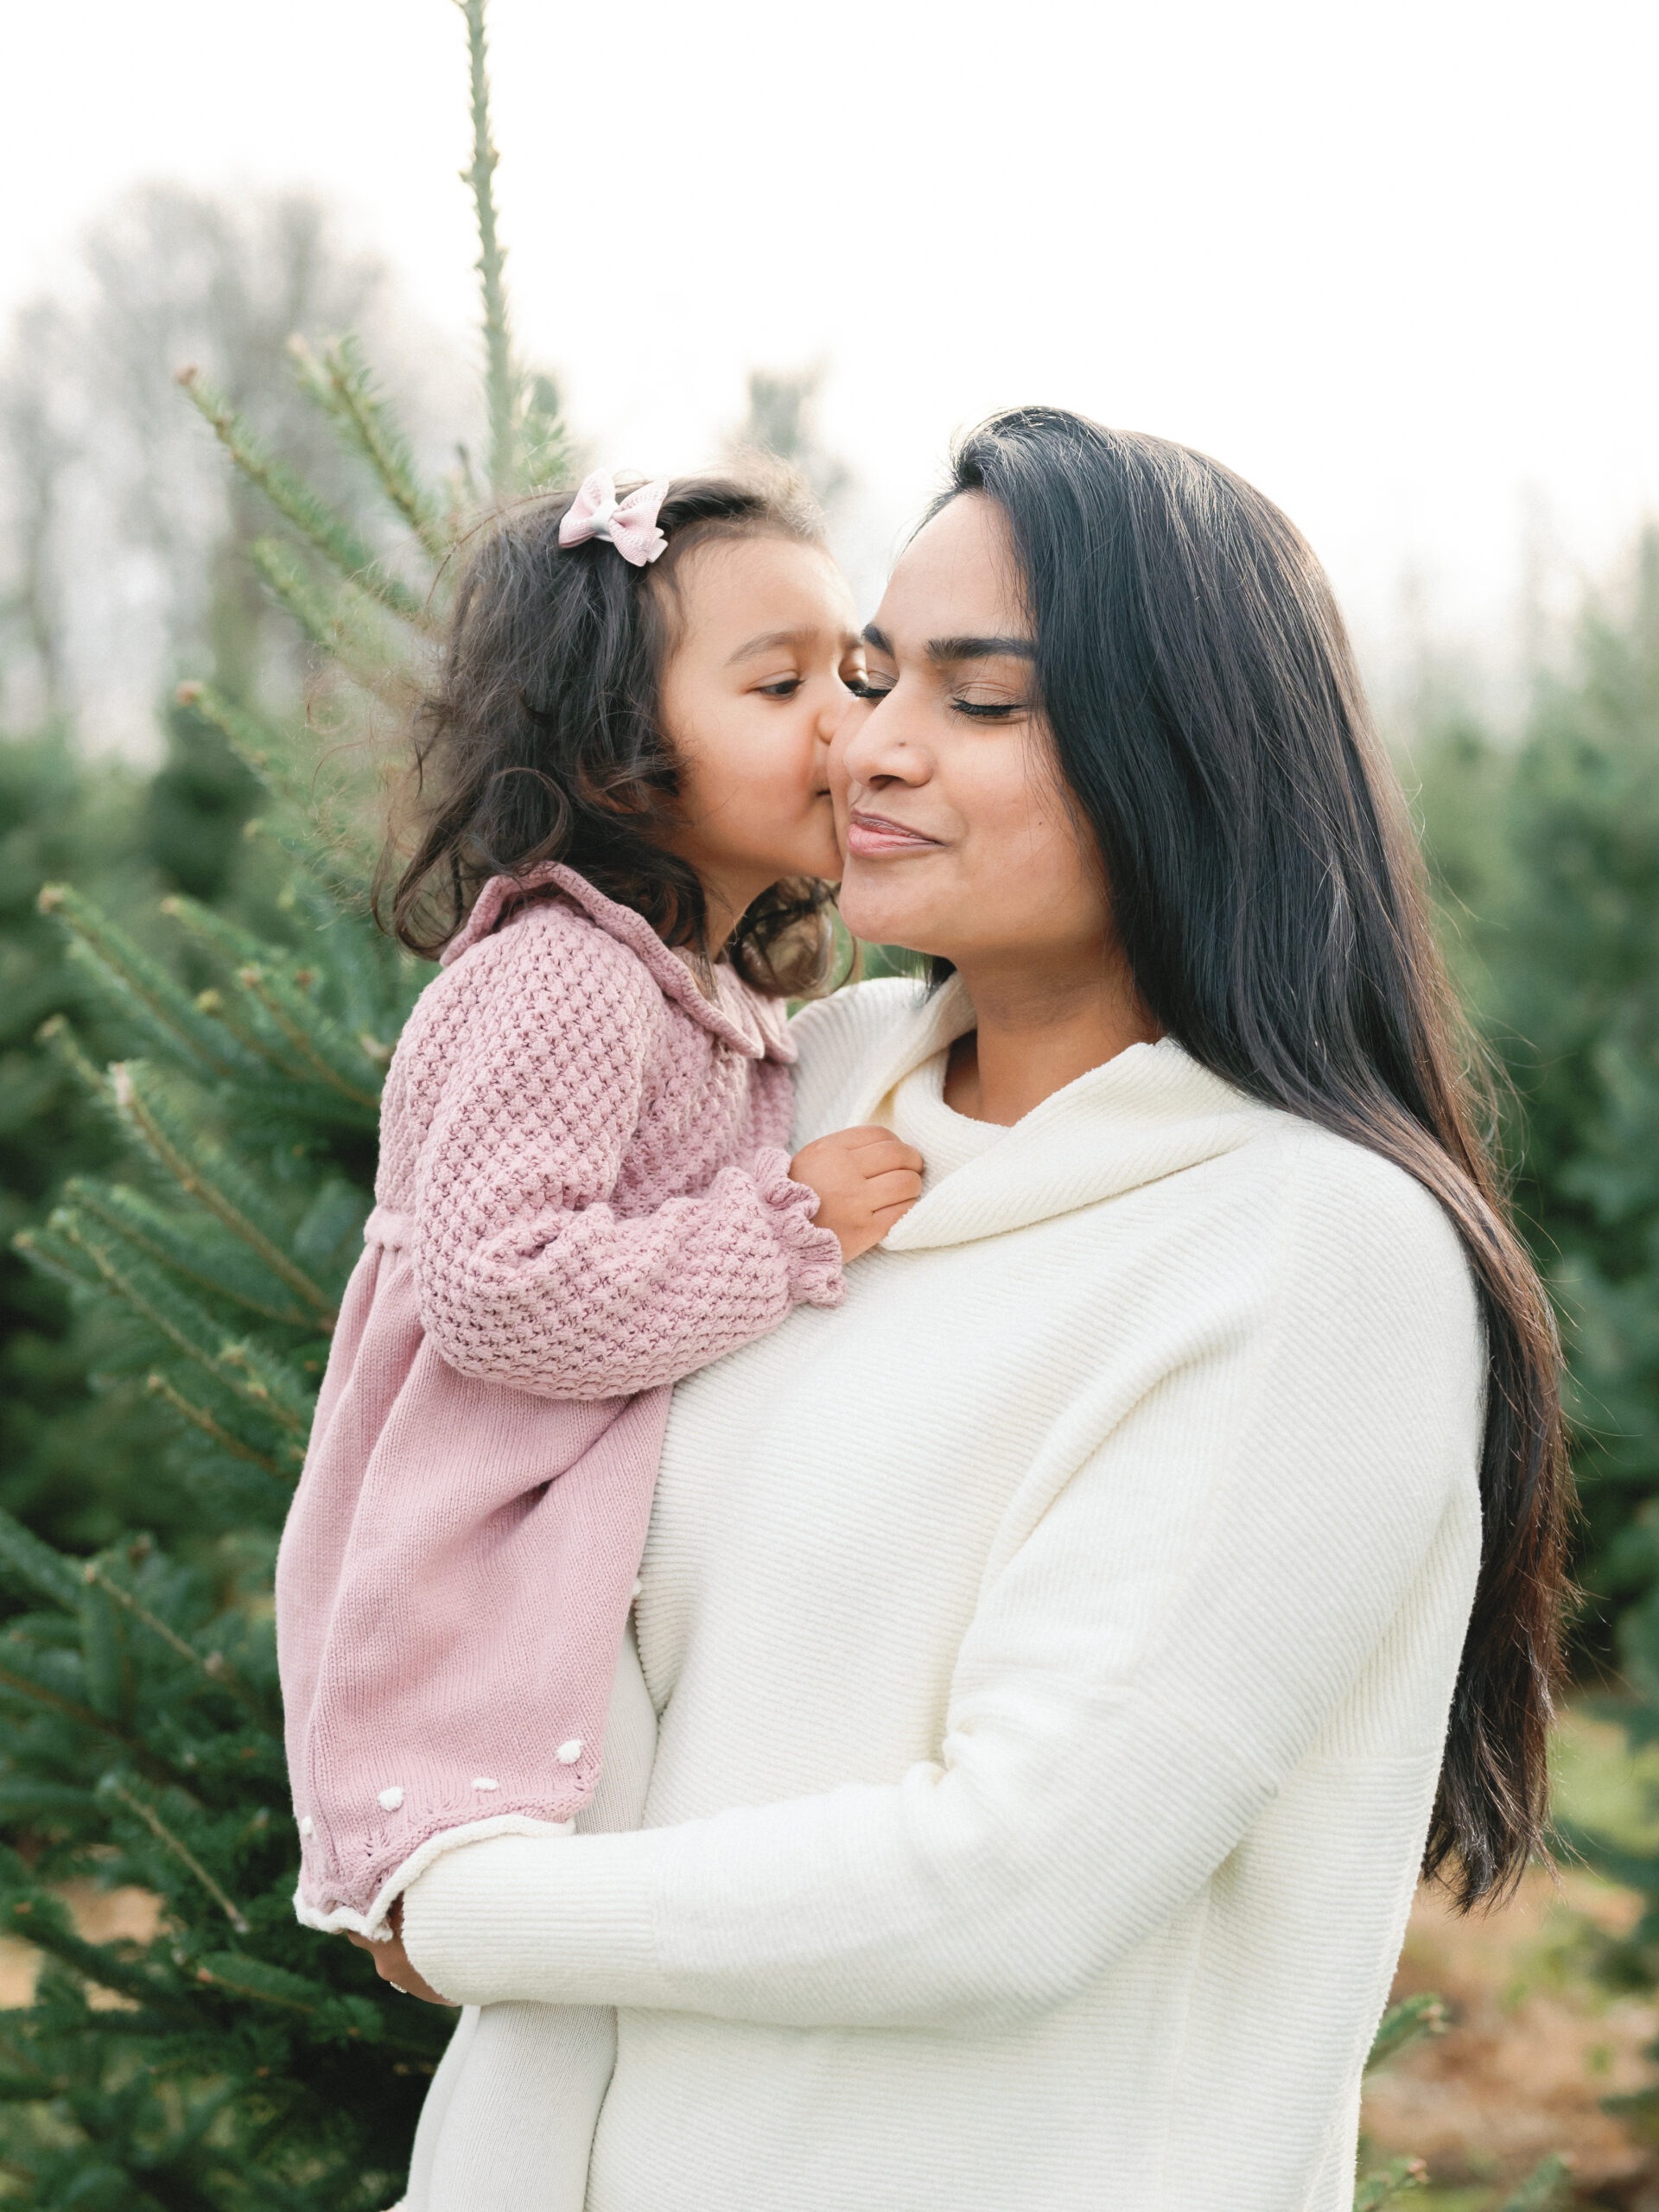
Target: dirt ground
(99, 1915)
(1531, 2049)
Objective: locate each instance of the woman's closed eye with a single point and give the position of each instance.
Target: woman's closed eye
(869, 687)
(987, 710)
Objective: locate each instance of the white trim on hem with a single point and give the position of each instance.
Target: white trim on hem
(373, 1923)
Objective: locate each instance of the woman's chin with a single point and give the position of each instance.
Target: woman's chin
(878, 923)
(865, 917)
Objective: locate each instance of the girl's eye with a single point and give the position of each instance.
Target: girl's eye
(785, 687)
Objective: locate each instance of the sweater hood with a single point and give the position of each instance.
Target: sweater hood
(742, 1018)
(1150, 1112)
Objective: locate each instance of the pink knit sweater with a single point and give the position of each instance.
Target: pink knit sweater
(582, 1195)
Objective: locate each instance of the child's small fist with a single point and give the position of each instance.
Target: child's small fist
(865, 1179)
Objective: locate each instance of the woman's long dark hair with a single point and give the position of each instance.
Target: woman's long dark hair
(543, 740)
(1207, 714)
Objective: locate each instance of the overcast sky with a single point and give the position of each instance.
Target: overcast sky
(1395, 262)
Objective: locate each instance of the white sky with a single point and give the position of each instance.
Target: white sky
(1394, 262)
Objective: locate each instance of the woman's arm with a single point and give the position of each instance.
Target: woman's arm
(525, 1273)
(1264, 1511)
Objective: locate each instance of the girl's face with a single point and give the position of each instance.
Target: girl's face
(959, 836)
(752, 696)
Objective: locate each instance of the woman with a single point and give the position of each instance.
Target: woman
(1069, 1651)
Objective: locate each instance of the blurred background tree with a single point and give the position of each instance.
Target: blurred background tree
(782, 419)
(1546, 857)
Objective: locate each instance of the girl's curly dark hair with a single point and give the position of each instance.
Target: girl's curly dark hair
(542, 739)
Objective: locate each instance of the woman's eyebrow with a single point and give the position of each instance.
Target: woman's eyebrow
(952, 649)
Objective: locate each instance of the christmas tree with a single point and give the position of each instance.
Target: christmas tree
(224, 2057)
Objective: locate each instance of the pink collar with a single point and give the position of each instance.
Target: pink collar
(752, 1024)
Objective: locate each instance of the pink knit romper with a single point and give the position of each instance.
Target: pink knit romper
(583, 1194)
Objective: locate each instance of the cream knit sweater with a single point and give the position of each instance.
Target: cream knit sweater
(1053, 1648)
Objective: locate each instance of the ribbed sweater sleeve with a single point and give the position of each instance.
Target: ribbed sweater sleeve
(1266, 1506)
(526, 1272)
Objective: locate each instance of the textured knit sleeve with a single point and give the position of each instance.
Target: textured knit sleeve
(1269, 1505)
(526, 1274)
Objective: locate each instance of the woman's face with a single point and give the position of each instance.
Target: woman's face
(960, 839)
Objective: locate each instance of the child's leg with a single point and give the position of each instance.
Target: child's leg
(509, 2120)
(451, 2066)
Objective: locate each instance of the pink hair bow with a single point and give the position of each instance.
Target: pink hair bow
(630, 523)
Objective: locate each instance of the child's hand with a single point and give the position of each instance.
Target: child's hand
(865, 1179)
(391, 1962)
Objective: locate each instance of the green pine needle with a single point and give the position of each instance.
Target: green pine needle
(205, 1173)
(1404, 2025)
(294, 499)
(343, 385)
(1397, 2179)
(139, 988)
(501, 380)
(1543, 2190)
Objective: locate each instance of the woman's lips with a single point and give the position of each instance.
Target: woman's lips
(870, 836)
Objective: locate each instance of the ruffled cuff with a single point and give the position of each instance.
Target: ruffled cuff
(814, 1253)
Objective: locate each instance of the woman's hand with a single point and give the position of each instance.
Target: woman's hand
(865, 1179)
(391, 1962)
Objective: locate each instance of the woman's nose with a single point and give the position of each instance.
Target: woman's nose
(871, 746)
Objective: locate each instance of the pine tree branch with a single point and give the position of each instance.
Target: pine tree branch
(199, 1417)
(1541, 2189)
(271, 994)
(105, 1659)
(501, 378)
(250, 1377)
(57, 1036)
(37, 1566)
(268, 754)
(283, 576)
(28, 1803)
(342, 384)
(293, 497)
(1403, 2024)
(54, 1255)
(278, 1000)
(131, 977)
(181, 1850)
(255, 1041)
(212, 1666)
(172, 1245)
(262, 1984)
(1389, 2183)
(140, 1113)
(335, 627)
(41, 1694)
(266, 1386)
(47, 1927)
(335, 861)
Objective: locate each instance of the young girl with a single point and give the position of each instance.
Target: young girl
(583, 1191)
